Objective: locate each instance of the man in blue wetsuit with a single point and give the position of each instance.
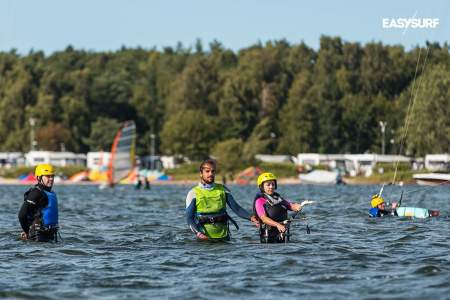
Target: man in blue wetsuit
(206, 206)
(38, 215)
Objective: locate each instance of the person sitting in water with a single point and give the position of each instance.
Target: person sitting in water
(272, 210)
(38, 215)
(379, 207)
(206, 206)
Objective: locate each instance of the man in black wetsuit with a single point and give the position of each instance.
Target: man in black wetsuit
(38, 215)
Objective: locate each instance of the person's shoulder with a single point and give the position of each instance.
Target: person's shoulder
(34, 195)
(191, 192)
(373, 212)
(223, 187)
(195, 187)
(35, 190)
(260, 200)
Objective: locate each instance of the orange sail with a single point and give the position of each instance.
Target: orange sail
(122, 159)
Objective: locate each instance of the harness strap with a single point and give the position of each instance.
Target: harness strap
(212, 219)
(202, 219)
(233, 221)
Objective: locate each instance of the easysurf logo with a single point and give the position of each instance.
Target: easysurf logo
(410, 23)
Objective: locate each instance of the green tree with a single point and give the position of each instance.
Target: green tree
(194, 88)
(103, 131)
(191, 133)
(229, 154)
(53, 137)
(429, 126)
(298, 121)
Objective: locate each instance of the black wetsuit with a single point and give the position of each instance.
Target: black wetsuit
(30, 215)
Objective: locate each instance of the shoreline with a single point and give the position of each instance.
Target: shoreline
(286, 180)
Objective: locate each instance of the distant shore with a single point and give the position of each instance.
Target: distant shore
(286, 180)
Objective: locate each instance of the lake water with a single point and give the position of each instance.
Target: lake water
(127, 244)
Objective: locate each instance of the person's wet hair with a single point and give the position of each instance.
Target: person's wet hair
(210, 162)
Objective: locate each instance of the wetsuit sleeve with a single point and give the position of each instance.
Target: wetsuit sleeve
(259, 206)
(238, 210)
(190, 212)
(32, 203)
(287, 204)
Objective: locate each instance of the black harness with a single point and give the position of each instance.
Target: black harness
(218, 218)
(277, 212)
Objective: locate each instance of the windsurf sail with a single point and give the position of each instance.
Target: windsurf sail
(122, 159)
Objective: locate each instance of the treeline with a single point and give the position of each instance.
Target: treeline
(273, 98)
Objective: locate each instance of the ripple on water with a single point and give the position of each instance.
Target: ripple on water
(123, 244)
(74, 252)
(428, 270)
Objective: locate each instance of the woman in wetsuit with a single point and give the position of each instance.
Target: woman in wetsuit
(272, 210)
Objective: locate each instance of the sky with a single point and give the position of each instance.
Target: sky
(107, 25)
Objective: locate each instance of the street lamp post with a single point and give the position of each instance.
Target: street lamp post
(383, 130)
(32, 141)
(152, 149)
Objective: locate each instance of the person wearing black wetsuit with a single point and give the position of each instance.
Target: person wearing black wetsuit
(38, 215)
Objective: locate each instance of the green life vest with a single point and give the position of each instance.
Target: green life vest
(212, 202)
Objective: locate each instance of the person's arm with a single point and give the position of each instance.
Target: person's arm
(27, 211)
(24, 212)
(238, 210)
(261, 212)
(270, 222)
(295, 206)
(190, 215)
(289, 205)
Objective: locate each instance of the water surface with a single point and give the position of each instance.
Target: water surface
(127, 244)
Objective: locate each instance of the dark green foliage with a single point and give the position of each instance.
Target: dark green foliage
(102, 134)
(229, 154)
(279, 169)
(60, 171)
(191, 133)
(274, 98)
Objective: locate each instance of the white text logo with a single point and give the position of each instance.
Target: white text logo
(405, 23)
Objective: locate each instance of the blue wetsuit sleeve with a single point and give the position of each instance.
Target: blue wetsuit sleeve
(190, 217)
(238, 210)
(190, 212)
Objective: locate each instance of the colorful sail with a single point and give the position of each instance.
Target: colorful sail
(122, 159)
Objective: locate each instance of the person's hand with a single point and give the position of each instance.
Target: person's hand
(296, 207)
(255, 221)
(23, 236)
(201, 236)
(281, 227)
(394, 205)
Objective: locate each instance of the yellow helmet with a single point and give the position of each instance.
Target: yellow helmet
(376, 200)
(266, 177)
(44, 169)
